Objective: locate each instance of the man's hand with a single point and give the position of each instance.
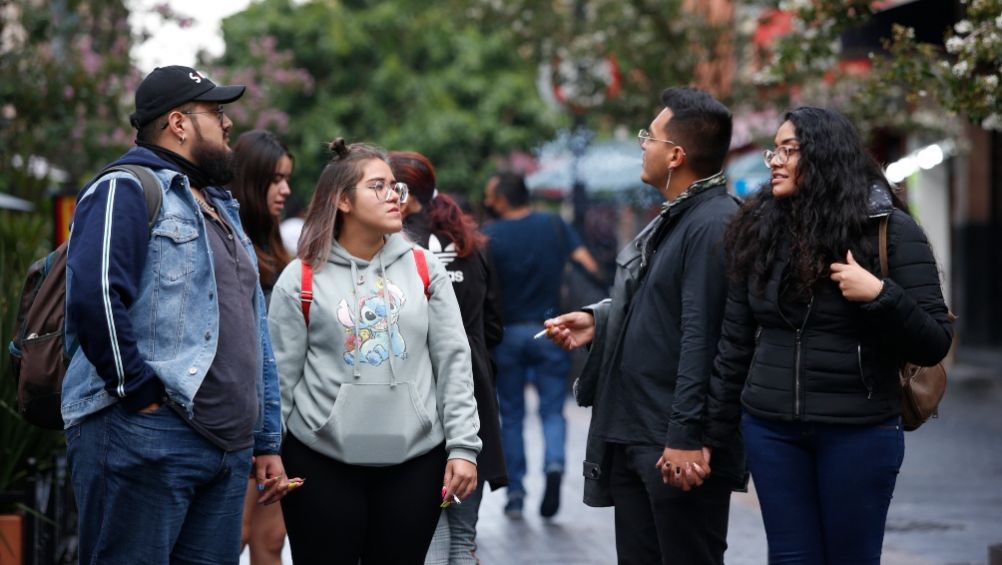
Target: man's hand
(571, 330)
(272, 483)
(684, 468)
(856, 283)
(460, 479)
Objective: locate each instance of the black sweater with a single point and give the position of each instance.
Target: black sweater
(830, 360)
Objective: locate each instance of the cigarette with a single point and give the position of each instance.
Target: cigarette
(541, 334)
(456, 499)
(293, 485)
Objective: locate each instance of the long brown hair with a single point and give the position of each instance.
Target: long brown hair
(441, 212)
(322, 224)
(256, 156)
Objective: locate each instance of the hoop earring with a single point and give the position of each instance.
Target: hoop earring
(180, 140)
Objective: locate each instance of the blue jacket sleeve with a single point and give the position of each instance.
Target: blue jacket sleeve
(268, 440)
(107, 255)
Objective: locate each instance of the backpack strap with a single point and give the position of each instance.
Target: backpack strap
(422, 269)
(306, 291)
(884, 270)
(151, 187)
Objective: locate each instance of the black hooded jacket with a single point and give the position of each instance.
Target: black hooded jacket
(828, 359)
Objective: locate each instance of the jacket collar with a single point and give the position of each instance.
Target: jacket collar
(695, 189)
(880, 202)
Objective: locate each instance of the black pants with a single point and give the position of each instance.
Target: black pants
(346, 513)
(658, 523)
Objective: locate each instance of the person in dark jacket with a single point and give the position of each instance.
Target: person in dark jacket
(812, 341)
(436, 222)
(652, 346)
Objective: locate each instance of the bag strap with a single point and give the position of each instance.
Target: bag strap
(306, 291)
(884, 270)
(422, 269)
(151, 188)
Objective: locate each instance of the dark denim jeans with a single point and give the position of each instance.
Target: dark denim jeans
(824, 489)
(151, 490)
(522, 359)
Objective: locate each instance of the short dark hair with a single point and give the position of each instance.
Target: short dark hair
(701, 124)
(512, 187)
(149, 132)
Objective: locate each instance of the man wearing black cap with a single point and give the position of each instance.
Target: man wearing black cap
(173, 387)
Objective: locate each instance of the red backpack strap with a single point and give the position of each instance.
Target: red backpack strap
(422, 269)
(306, 291)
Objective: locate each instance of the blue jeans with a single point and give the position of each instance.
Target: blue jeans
(455, 540)
(521, 359)
(824, 488)
(151, 490)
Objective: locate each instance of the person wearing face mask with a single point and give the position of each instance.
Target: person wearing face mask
(375, 370)
(172, 399)
(261, 171)
(813, 337)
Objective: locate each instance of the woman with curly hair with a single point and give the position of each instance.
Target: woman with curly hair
(813, 336)
(436, 222)
(375, 374)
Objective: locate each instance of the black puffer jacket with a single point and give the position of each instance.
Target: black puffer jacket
(831, 360)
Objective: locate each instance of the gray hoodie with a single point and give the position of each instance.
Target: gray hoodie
(382, 374)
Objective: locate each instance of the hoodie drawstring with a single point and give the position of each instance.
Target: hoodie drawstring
(386, 309)
(358, 317)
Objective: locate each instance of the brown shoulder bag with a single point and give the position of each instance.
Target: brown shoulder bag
(922, 388)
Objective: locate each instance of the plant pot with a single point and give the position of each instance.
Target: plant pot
(11, 539)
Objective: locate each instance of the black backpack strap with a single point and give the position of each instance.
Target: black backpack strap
(151, 187)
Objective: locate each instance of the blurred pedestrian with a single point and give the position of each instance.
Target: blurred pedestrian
(530, 250)
(652, 346)
(813, 338)
(262, 167)
(434, 221)
(377, 384)
(174, 387)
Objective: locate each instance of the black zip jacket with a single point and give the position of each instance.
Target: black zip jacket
(650, 359)
(831, 360)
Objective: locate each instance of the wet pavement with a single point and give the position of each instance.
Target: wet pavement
(947, 507)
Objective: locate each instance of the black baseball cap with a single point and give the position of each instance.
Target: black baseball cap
(169, 87)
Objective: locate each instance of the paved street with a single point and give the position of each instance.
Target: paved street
(947, 507)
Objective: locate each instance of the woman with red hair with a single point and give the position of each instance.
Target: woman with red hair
(435, 221)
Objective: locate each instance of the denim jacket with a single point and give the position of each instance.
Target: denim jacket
(142, 302)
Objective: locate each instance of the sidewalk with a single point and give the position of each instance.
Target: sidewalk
(578, 534)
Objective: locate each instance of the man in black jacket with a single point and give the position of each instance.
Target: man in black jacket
(652, 348)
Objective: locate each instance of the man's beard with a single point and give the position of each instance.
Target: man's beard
(215, 162)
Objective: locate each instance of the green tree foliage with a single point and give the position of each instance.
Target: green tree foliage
(656, 44)
(912, 86)
(65, 79)
(405, 75)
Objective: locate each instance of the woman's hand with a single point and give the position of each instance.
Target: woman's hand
(856, 283)
(460, 479)
(571, 330)
(272, 482)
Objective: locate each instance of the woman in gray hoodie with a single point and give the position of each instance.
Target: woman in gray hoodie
(375, 374)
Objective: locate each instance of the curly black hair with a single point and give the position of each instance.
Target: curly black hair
(825, 217)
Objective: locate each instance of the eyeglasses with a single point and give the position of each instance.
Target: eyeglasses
(383, 191)
(644, 136)
(781, 154)
(219, 112)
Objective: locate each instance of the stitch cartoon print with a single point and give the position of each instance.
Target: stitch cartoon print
(373, 334)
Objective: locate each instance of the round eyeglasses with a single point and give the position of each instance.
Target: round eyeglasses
(384, 189)
(780, 154)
